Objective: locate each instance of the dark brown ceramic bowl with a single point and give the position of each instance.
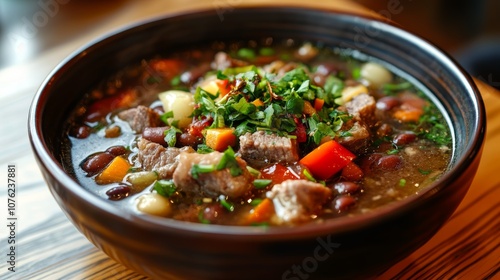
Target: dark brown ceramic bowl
(355, 247)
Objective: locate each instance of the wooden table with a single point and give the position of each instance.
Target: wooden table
(49, 247)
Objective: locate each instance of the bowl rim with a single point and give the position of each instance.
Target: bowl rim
(333, 226)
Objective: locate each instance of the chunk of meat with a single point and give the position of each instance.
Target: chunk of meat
(155, 157)
(296, 200)
(222, 61)
(267, 148)
(211, 184)
(140, 117)
(358, 137)
(362, 108)
(280, 68)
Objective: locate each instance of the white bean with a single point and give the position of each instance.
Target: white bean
(154, 204)
(375, 74)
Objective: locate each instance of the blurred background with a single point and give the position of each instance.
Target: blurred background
(468, 30)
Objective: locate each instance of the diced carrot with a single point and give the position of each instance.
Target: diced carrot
(412, 115)
(257, 102)
(114, 172)
(327, 159)
(261, 213)
(220, 138)
(318, 104)
(308, 108)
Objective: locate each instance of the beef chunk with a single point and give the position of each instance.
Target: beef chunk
(211, 184)
(358, 138)
(155, 157)
(296, 200)
(280, 68)
(222, 61)
(267, 148)
(140, 117)
(362, 108)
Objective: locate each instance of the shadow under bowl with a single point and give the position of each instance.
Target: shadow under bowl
(343, 248)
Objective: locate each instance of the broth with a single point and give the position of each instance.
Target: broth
(257, 134)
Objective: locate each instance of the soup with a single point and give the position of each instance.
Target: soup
(257, 134)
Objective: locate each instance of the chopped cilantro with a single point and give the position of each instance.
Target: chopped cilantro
(228, 160)
(203, 149)
(165, 116)
(432, 126)
(171, 136)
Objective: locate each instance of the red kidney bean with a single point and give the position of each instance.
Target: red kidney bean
(384, 147)
(187, 139)
(368, 164)
(96, 162)
(404, 138)
(319, 79)
(386, 103)
(346, 187)
(118, 192)
(155, 134)
(213, 212)
(390, 162)
(352, 172)
(343, 202)
(80, 132)
(116, 150)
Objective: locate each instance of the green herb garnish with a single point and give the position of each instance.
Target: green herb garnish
(171, 136)
(261, 183)
(164, 187)
(228, 160)
(308, 175)
(198, 169)
(424, 172)
(432, 126)
(402, 182)
(226, 204)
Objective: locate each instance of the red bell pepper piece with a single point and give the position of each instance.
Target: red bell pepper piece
(224, 86)
(279, 173)
(102, 107)
(327, 159)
